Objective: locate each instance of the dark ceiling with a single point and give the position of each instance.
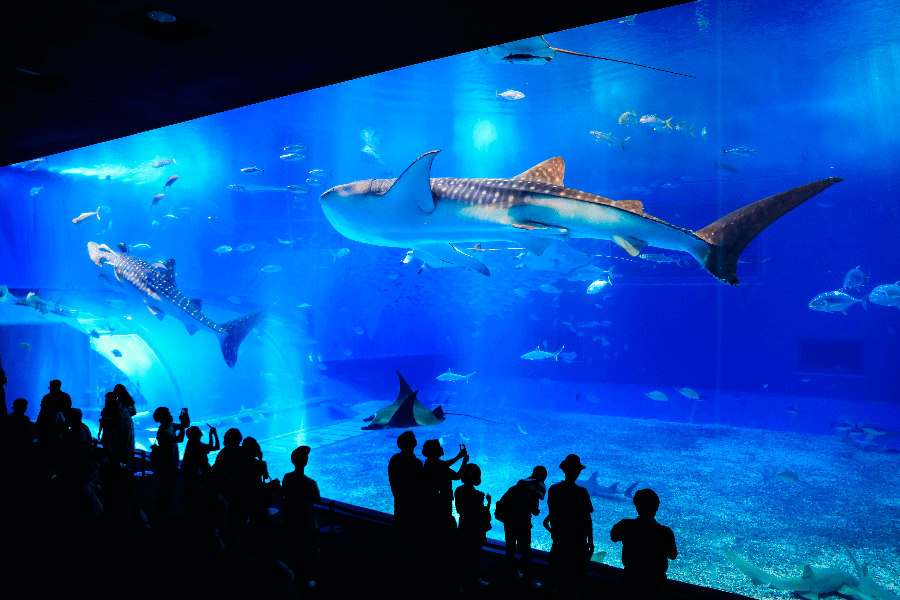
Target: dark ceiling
(80, 73)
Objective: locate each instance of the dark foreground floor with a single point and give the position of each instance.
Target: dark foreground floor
(48, 556)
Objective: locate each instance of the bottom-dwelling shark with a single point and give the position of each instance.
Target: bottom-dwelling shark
(155, 286)
(534, 210)
(595, 489)
(812, 583)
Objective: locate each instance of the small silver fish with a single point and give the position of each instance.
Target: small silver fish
(245, 247)
(739, 151)
(223, 249)
(509, 95)
(270, 269)
(252, 170)
(834, 302)
(291, 157)
(163, 162)
(236, 187)
(609, 139)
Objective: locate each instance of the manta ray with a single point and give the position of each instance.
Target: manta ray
(155, 286)
(534, 210)
(538, 51)
(406, 411)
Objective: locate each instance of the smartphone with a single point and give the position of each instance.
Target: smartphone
(462, 447)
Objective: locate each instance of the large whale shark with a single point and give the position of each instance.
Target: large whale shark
(155, 286)
(534, 210)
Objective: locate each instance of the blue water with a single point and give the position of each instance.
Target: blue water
(811, 87)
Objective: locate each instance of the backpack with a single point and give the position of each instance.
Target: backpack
(509, 504)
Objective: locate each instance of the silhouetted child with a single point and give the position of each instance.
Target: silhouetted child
(569, 524)
(406, 476)
(474, 522)
(300, 522)
(646, 548)
(517, 526)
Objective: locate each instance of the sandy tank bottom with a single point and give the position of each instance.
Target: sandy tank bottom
(719, 487)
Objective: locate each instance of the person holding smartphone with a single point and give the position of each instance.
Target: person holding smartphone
(438, 502)
(168, 436)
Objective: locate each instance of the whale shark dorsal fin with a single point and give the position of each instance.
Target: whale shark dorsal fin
(551, 171)
(807, 572)
(632, 206)
(413, 187)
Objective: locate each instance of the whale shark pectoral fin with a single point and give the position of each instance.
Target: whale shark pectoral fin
(450, 254)
(156, 313)
(413, 187)
(191, 329)
(631, 245)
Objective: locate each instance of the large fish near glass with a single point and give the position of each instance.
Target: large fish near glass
(155, 286)
(534, 210)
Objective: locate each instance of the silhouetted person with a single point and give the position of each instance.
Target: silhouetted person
(300, 522)
(439, 478)
(108, 418)
(18, 435)
(168, 436)
(517, 527)
(51, 404)
(437, 508)
(647, 547)
(195, 462)
(124, 449)
(252, 473)
(407, 479)
(226, 462)
(2, 387)
(569, 524)
(474, 522)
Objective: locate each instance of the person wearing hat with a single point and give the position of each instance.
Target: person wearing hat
(301, 494)
(646, 547)
(569, 524)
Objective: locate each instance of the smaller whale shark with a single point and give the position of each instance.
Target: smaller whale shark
(155, 286)
(613, 491)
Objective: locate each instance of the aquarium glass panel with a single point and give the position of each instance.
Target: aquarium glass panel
(536, 241)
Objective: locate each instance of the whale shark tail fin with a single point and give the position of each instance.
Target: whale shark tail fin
(236, 331)
(727, 237)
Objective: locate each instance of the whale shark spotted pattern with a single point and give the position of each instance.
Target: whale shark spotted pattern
(155, 286)
(534, 210)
